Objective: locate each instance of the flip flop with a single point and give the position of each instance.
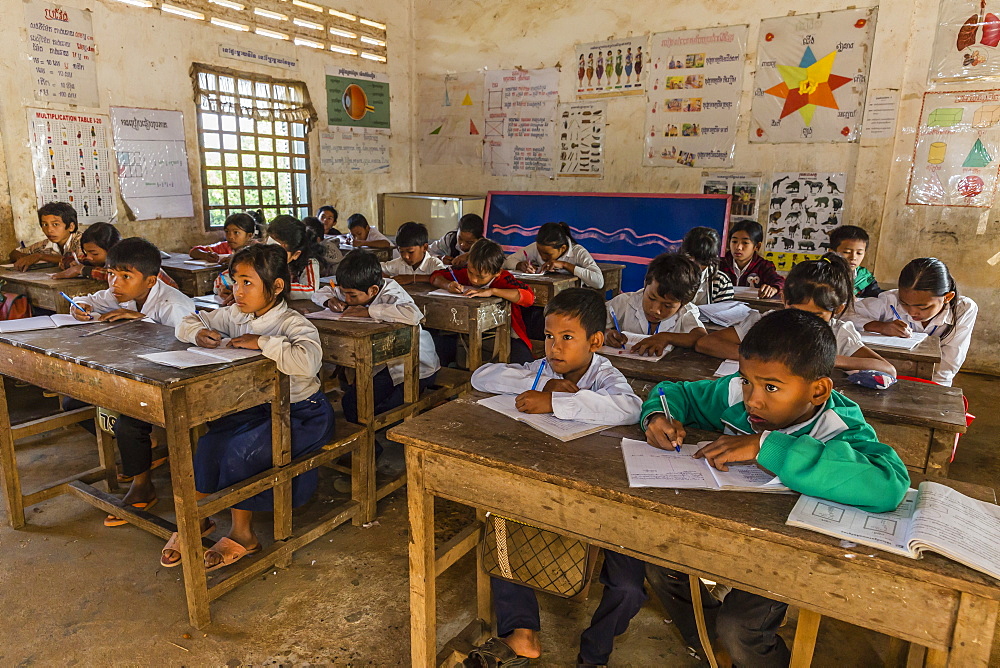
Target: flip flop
(495, 653)
(157, 463)
(230, 551)
(114, 521)
(173, 545)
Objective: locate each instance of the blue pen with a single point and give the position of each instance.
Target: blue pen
(70, 300)
(666, 411)
(896, 313)
(455, 278)
(538, 376)
(614, 319)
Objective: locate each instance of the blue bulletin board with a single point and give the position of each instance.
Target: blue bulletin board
(625, 228)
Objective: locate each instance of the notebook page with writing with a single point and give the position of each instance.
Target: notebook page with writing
(746, 477)
(633, 339)
(26, 324)
(181, 359)
(647, 466)
(547, 423)
(327, 314)
(726, 314)
(67, 320)
(887, 531)
(909, 343)
(224, 353)
(958, 527)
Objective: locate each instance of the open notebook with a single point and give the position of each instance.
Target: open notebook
(652, 467)
(547, 423)
(726, 314)
(41, 322)
(633, 339)
(909, 343)
(327, 314)
(198, 356)
(932, 517)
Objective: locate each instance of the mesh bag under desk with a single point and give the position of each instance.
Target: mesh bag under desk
(537, 558)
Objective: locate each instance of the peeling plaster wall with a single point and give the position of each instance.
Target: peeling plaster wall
(471, 35)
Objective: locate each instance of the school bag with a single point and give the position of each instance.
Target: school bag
(14, 306)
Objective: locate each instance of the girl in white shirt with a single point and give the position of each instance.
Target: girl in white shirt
(303, 248)
(238, 446)
(555, 250)
(824, 287)
(927, 301)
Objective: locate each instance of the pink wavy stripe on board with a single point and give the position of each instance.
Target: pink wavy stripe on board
(634, 259)
(594, 233)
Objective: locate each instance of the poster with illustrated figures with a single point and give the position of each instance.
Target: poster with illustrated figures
(812, 75)
(744, 188)
(450, 119)
(612, 68)
(804, 207)
(955, 156)
(967, 41)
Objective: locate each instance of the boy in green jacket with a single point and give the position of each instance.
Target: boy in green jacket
(781, 412)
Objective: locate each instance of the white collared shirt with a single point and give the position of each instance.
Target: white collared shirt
(398, 266)
(631, 317)
(605, 397)
(954, 346)
(286, 337)
(586, 268)
(848, 339)
(164, 304)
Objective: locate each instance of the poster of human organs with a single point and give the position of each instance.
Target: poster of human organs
(967, 42)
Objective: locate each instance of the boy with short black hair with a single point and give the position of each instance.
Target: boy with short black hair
(663, 310)
(364, 235)
(362, 292)
(135, 292)
(576, 384)
(781, 412)
(61, 244)
(487, 277)
(453, 248)
(414, 264)
(851, 243)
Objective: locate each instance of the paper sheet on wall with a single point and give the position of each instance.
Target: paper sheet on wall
(362, 150)
(611, 68)
(152, 162)
(881, 108)
(812, 73)
(62, 52)
(450, 122)
(71, 163)
(804, 207)
(580, 127)
(955, 156)
(745, 190)
(693, 102)
(965, 44)
(520, 110)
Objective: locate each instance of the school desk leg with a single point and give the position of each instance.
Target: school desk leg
(503, 343)
(972, 639)
(180, 446)
(106, 451)
(941, 447)
(363, 460)
(411, 370)
(8, 465)
(423, 622)
(805, 638)
(475, 359)
(484, 591)
(281, 455)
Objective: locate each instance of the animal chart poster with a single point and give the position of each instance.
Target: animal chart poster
(580, 126)
(966, 43)
(804, 207)
(608, 69)
(744, 188)
(812, 74)
(693, 102)
(450, 119)
(71, 162)
(958, 142)
(519, 122)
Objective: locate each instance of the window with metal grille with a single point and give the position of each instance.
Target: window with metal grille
(253, 135)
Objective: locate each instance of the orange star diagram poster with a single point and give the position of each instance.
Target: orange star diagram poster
(812, 74)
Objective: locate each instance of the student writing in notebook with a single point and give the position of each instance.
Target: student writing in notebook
(453, 248)
(781, 412)
(662, 311)
(364, 235)
(573, 383)
(555, 250)
(414, 264)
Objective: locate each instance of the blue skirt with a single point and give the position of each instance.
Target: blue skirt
(238, 447)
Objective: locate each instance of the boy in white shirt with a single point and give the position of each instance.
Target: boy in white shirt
(362, 292)
(663, 310)
(414, 264)
(579, 385)
(363, 234)
(135, 293)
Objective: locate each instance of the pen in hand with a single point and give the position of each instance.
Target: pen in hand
(666, 412)
(78, 307)
(614, 319)
(538, 376)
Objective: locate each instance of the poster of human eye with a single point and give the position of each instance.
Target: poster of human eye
(966, 43)
(812, 74)
(693, 97)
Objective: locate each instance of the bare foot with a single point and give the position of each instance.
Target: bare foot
(524, 642)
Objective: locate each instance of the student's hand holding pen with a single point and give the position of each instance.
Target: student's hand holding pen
(84, 314)
(665, 434)
(892, 328)
(208, 338)
(455, 287)
(336, 305)
(615, 339)
(526, 267)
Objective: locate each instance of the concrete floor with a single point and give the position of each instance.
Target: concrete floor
(76, 593)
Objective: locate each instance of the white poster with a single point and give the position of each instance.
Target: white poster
(61, 50)
(450, 119)
(361, 150)
(612, 68)
(152, 162)
(812, 73)
(966, 43)
(519, 119)
(693, 100)
(804, 207)
(958, 142)
(745, 189)
(580, 126)
(71, 162)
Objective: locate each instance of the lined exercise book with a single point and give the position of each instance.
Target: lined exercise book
(726, 314)
(41, 322)
(633, 339)
(933, 517)
(652, 467)
(547, 423)
(198, 356)
(909, 343)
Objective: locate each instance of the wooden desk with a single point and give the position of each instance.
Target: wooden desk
(612, 277)
(919, 420)
(381, 254)
(580, 489)
(547, 286)
(105, 370)
(192, 279)
(470, 317)
(772, 304)
(919, 362)
(43, 292)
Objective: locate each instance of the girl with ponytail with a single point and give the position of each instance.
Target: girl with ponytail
(555, 250)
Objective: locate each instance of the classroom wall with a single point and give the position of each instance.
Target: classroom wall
(464, 36)
(143, 61)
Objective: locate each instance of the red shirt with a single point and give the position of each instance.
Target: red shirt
(504, 281)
